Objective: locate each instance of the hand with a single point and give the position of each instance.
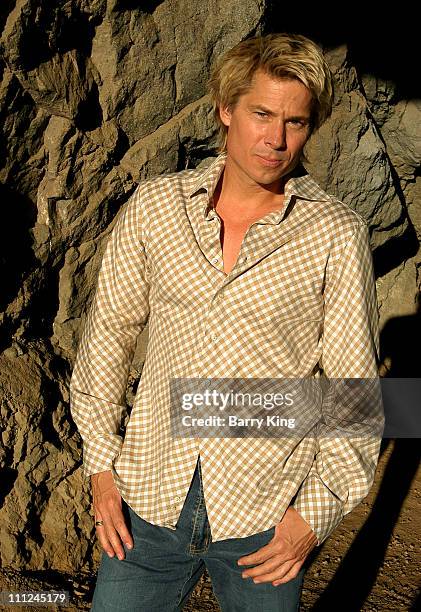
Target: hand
(107, 508)
(281, 559)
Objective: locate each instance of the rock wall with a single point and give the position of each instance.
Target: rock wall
(95, 96)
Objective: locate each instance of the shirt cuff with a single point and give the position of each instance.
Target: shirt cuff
(99, 453)
(318, 507)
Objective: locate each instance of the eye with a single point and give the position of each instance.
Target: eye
(261, 114)
(297, 122)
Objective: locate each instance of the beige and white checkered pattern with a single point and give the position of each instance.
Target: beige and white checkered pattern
(300, 295)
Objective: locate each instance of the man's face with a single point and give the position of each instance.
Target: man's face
(267, 130)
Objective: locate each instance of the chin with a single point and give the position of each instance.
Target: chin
(268, 179)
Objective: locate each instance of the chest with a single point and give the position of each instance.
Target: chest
(283, 278)
(233, 232)
(232, 236)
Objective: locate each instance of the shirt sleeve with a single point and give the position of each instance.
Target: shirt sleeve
(349, 433)
(118, 314)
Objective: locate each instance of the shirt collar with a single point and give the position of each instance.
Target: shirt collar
(299, 185)
(209, 177)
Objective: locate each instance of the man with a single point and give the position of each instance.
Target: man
(244, 270)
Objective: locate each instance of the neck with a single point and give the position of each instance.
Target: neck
(235, 188)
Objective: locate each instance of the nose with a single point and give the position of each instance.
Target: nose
(276, 136)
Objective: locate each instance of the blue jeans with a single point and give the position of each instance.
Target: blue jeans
(164, 566)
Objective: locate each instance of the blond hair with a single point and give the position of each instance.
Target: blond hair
(289, 56)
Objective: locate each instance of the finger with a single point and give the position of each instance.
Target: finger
(117, 529)
(278, 574)
(293, 573)
(112, 534)
(264, 568)
(110, 507)
(121, 528)
(275, 547)
(103, 538)
(261, 555)
(106, 532)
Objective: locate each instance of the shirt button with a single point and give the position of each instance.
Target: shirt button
(215, 260)
(214, 337)
(177, 499)
(244, 259)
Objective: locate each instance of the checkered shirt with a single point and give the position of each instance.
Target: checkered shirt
(299, 301)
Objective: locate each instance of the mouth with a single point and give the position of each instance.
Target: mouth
(271, 163)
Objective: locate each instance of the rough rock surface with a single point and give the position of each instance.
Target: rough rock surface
(95, 96)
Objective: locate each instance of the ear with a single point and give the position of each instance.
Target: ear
(225, 115)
